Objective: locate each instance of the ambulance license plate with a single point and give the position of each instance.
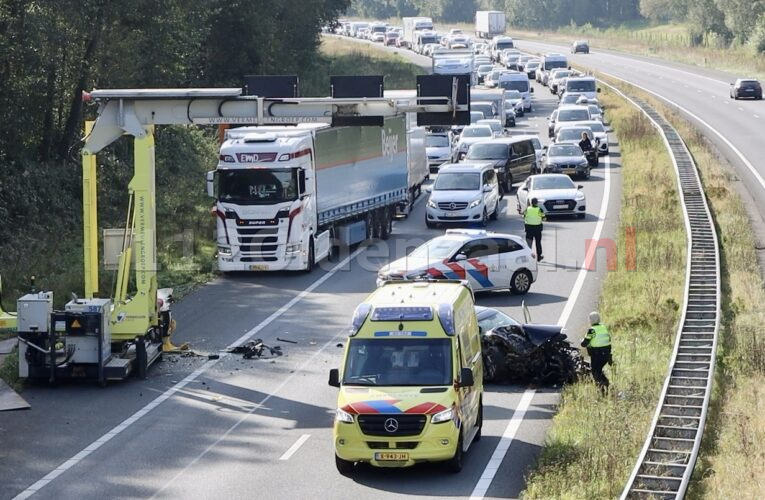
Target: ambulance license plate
(391, 456)
(259, 267)
(452, 214)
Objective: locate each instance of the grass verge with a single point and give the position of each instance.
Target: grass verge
(344, 57)
(732, 459)
(593, 443)
(9, 370)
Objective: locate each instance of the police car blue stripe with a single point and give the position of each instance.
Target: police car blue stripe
(480, 278)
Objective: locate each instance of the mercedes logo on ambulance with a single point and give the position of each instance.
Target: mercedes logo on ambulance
(452, 206)
(391, 425)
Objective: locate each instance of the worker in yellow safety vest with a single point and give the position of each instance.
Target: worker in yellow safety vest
(598, 344)
(532, 220)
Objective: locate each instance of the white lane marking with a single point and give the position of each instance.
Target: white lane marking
(295, 447)
(590, 256)
(482, 486)
(741, 109)
(696, 117)
(756, 116)
(190, 378)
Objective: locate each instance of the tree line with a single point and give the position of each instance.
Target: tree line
(53, 50)
(730, 21)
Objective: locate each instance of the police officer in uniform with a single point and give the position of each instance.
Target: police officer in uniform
(598, 344)
(532, 219)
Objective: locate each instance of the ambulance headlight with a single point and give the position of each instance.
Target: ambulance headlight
(432, 204)
(475, 203)
(343, 416)
(442, 416)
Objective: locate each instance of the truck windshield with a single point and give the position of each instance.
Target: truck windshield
(398, 362)
(257, 186)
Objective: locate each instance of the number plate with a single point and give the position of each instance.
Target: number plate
(259, 267)
(452, 214)
(390, 456)
(569, 171)
(558, 207)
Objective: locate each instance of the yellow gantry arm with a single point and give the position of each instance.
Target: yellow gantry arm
(134, 317)
(90, 218)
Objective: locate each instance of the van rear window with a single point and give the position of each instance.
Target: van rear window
(402, 314)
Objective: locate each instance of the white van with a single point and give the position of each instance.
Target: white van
(586, 86)
(463, 193)
(515, 80)
(498, 44)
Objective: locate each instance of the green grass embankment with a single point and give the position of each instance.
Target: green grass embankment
(594, 440)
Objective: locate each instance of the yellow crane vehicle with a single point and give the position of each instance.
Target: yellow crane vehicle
(111, 338)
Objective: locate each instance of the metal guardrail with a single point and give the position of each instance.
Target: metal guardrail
(669, 454)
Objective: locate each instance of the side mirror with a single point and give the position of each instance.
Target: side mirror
(459, 257)
(544, 148)
(334, 377)
(525, 188)
(580, 186)
(598, 89)
(531, 90)
(466, 378)
(301, 182)
(487, 188)
(210, 177)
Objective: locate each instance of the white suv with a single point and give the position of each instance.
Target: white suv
(463, 193)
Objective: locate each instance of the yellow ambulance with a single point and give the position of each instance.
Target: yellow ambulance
(411, 381)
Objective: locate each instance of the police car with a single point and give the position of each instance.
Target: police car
(486, 260)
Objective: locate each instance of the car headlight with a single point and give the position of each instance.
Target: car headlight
(432, 204)
(293, 247)
(475, 203)
(343, 416)
(442, 416)
(579, 196)
(583, 163)
(226, 251)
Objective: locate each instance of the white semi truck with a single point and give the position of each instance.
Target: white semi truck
(489, 23)
(412, 25)
(286, 195)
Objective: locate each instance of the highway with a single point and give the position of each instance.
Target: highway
(236, 428)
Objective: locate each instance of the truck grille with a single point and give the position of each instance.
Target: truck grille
(453, 205)
(405, 425)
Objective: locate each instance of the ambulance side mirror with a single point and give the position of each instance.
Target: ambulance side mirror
(211, 183)
(334, 377)
(466, 378)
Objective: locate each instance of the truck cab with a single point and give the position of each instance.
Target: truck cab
(411, 378)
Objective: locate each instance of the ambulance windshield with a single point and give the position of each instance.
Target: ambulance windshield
(397, 361)
(257, 186)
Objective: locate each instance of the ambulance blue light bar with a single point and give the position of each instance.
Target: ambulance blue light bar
(402, 314)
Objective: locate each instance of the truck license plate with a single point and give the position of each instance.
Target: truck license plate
(259, 267)
(558, 207)
(384, 456)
